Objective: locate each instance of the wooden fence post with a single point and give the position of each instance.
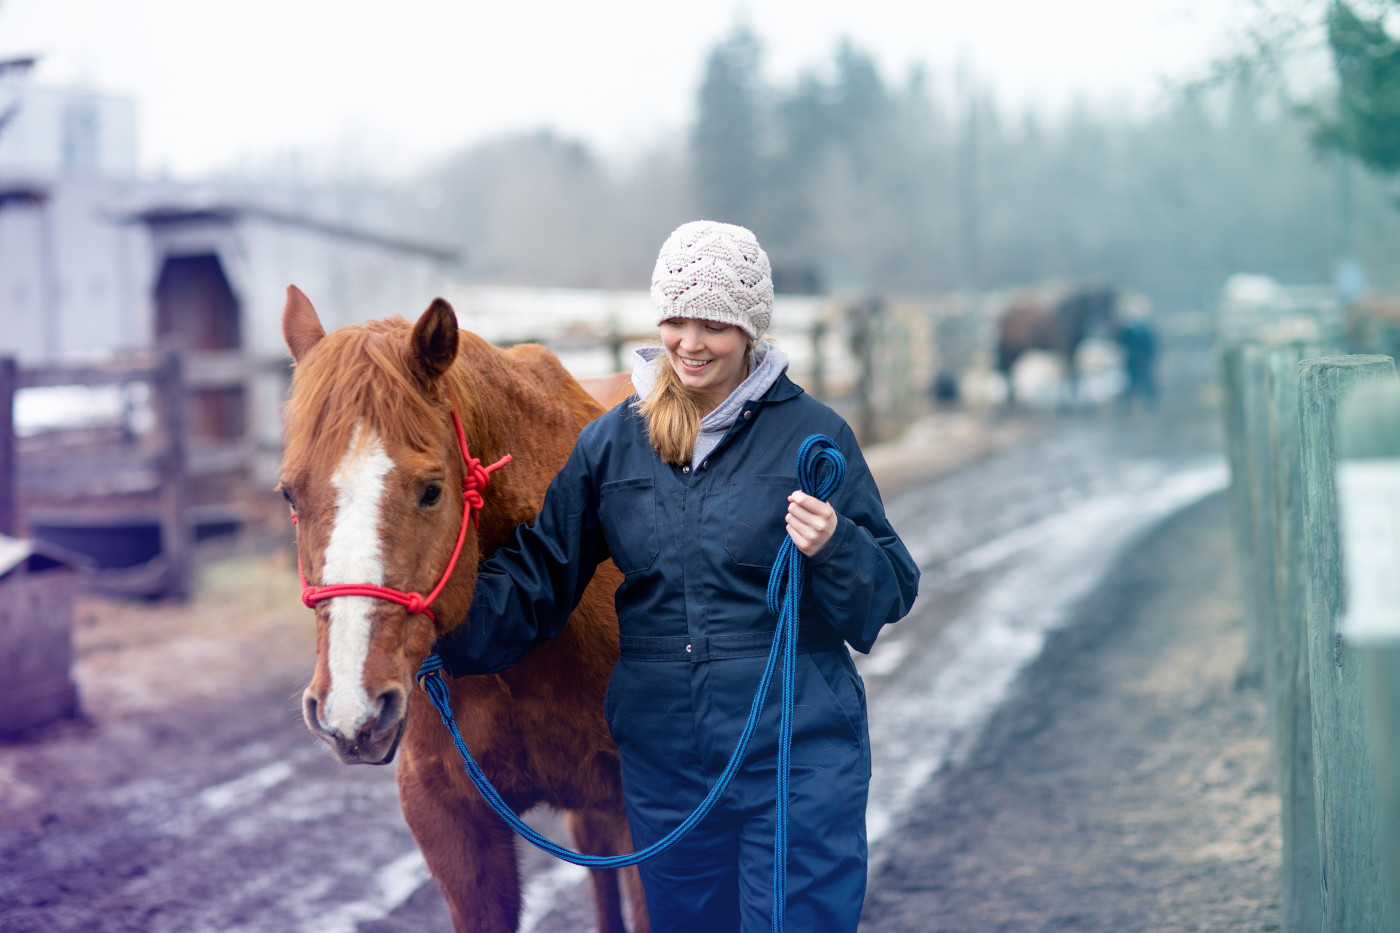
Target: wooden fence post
(1368, 503)
(9, 458)
(1291, 696)
(615, 344)
(1237, 450)
(863, 337)
(1259, 488)
(176, 532)
(1349, 834)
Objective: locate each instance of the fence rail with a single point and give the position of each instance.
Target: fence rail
(162, 464)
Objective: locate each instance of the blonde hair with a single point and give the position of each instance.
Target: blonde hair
(672, 412)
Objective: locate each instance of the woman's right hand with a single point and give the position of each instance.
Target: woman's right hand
(810, 522)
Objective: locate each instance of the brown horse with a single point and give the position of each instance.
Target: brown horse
(372, 469)
(1057, 325)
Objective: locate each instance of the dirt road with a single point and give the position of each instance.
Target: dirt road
(1123, 787)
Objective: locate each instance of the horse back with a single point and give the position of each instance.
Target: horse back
(540, 365)
(1030, 324)
(609, 390)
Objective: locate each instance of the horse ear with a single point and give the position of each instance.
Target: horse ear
(301, 328)
(435, 341)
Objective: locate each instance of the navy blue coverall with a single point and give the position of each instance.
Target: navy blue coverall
(696, 548)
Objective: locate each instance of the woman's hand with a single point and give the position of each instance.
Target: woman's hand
(810, 522)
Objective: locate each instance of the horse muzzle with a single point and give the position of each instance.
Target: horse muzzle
(370, 740)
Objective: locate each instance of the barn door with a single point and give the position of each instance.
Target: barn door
(196, 310)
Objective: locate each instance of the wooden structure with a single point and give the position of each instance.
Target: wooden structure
(1333, 698)
(1368, 506)
(126, 478)
(1344, 767)
(37, 583)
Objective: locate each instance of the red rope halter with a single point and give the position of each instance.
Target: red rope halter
(474, 479)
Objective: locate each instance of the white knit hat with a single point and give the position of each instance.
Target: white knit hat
(714, 272)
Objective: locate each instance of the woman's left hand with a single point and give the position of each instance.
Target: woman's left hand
(810, 522)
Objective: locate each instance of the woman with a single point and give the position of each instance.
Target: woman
(689, 487)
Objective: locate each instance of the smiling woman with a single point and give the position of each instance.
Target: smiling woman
(690, 489)
(709, 358)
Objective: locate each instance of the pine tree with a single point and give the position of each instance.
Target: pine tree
(726, 138)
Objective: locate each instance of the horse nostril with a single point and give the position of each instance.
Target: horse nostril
(310, 712)
(390, 705)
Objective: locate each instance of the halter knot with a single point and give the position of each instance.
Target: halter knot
(474, 479)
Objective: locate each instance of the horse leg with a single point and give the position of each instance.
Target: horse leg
(469, 849)
(632, 882)
(596, 832)
(1072, 381)
(1006, 358)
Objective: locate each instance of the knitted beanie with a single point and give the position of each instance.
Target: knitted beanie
(714, 272)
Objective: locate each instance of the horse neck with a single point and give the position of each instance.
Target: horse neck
(1082, 311)
(1075, 315)
(505, 409)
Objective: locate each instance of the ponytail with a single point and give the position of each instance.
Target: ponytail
(672, 414)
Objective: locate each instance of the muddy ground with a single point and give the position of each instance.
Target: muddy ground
(1124, 787)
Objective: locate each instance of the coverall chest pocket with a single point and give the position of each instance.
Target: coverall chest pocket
(756, 518)
(628, 510)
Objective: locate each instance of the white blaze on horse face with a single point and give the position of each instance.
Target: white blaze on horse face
(353, 555)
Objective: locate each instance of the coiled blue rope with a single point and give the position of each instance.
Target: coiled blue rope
(820, 471)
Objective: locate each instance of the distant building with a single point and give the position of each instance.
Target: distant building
(72, 278)
(218, 277)
(96, 261)
(65, 131)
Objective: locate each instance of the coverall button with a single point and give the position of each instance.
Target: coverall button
(748, 414)
(685, 469)
(687, 649)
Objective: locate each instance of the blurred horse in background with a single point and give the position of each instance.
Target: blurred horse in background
(1056, 323)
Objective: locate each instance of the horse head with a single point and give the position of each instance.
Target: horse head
(372, 471)
(1091, 311)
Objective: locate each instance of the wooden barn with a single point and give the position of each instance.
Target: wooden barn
(143, 326)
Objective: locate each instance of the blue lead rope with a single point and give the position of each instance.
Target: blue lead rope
(784, 594)
(820, 471)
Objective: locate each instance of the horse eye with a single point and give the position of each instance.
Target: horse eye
(291, 499)
(430, 495)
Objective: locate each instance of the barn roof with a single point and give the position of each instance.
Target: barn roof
(177, 214)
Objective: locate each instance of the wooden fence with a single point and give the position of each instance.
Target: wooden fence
(1333, 696)
(160, 468)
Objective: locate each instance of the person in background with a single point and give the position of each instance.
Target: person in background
(1139, 342)
(690, 487)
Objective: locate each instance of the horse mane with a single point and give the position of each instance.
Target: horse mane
(358, 373)
(365, 373)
